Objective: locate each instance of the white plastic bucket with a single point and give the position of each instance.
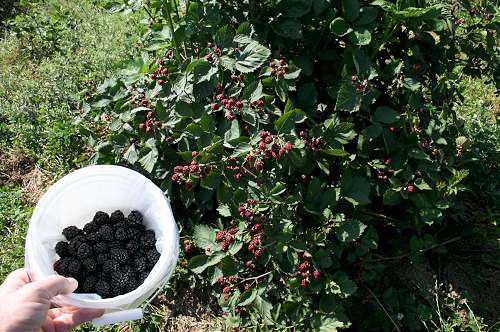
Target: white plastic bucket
(74, 200)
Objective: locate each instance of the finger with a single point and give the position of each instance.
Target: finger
(48, 326)
(16, 280)
(51, 286)
(67, 321)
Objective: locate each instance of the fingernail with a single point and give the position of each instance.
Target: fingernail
(73, 282)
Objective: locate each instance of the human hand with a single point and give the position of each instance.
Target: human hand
(25, 305)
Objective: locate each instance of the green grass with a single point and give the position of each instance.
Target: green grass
(46, 59)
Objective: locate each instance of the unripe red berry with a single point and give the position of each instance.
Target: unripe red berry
(262, 145)
(288, 146)
(226, 290)
(354, 78)
(392, 129)
(268, 139)
(219, 89)
(220, 236)
(252, 201)
(259, 165)
(229, 238)
(304, 282)
(195, 154)
(232, 278)
(221, 281)
(209, 57)
(210, 45)
(281, 152)
(239, 104)
(233, 230)
(302, 134)
(142, 125)
(237, 177)
(258, 253)
(410, 188)
(154, 77)
(162, 62)
(214, 107)
(316, 274)
(263, 134)
(161, 82)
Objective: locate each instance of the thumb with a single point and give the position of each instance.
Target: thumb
(52, 286)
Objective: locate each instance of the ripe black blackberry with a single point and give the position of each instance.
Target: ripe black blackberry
(140, 253)
(121, 234)
(110, 266)
(152, 256)
(134, 233)
(148, 240)
(88, 285)
(71, 232)
(116, 217)
(93, 237)
(115, 290)
(91, 227)
(62, 249)
(142, 276)
(140, 264)
(102, 258)
(61, 266)
(84, 251)
(119, 255)
(101, 218)
(74, 267)
(115, 245)
(131, 285)
(99, 248)
(106, 233)
(119, 279)
(135, 217)
(89, 264)
(102, 288)
(74, 244)
(132, 247)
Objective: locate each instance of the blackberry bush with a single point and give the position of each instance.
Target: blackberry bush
(301, 143)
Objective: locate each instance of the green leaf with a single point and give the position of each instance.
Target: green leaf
(347, 99)
(350, 230)
(228, 266)
(227, 62)
(392, 197)
(421, 184)
(360, 37)
(368, 15)
(307, 95)
(248, 297)
(286, 122)
(328, 324)
(372, 131)
(340, 27)
(253, 91)
(198, 264)
(264, 309)
(356, 189)
(281, 88)
(131, 155)
(203, 236)
(223, 37)
(347, 286)
(148, 162)
(252, 57)
(224, 210)
(278, 189)
(288, 28)
(351, 9)
(233, 132)
(386, 114)
(412, 84)
(418, 154)
(297, 8)
(335, 152)
(235, 247)
(418, 13)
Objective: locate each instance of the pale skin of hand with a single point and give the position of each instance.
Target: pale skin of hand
(25, 306)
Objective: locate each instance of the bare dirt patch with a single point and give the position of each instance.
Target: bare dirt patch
(17, 169)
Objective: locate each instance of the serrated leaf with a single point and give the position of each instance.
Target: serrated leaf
(148, 162)
(350, 230)
(228, 266)
(198, 264)
(360, 37)
(386, 114)
(264, 309)
(328, 324)
(368, 15)
(253, 56)
(347, 98)
(235, 247)
(223, 37)
(248, 297)
(421, 184)
(356, 189)
(253, 91)
(233, 132)
(286, 122)
(278, 189)
(307, 95)
(392, 197)
(224, 210)
(227, 62)
(131, 155)
(335, 152)
(203, 236)
(372, 131)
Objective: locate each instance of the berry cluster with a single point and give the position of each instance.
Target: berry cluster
(161, 74)
(305, 269)
(182, 173)
(277, 149)
(279, 69)
(110, 256)
(382, 174)
(139, 100)
(360, 85)
(233, 165)
(214, 50)
(245, 211)
(150, 124)
(258, 104)
(227, 285)
(226, 237)
(313, 143)
(230, 104)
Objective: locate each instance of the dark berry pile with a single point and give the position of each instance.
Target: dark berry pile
(110, 256)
